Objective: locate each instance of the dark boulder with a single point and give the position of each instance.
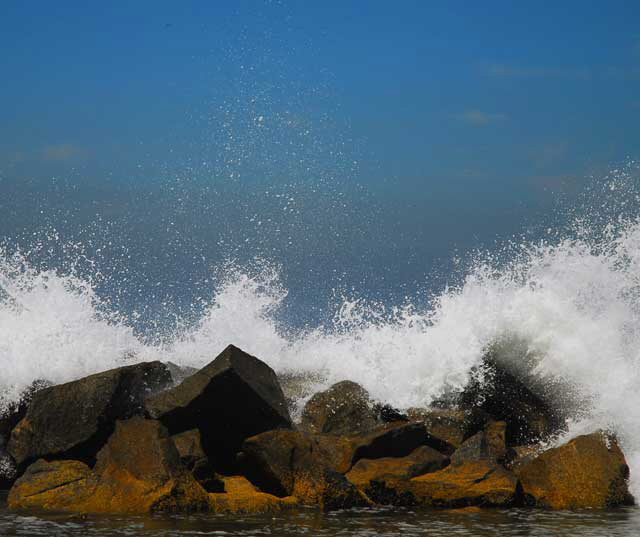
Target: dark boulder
(75, 419)
(345, 409)
(234, 397)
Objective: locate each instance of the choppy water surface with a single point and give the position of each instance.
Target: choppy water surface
(621, 522)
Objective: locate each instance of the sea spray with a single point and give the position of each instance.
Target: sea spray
(570, 303)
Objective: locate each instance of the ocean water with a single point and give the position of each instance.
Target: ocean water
(369, 523)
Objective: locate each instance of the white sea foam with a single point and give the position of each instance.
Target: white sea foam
(575, 303)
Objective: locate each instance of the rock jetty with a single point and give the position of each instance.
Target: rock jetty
(152, 438)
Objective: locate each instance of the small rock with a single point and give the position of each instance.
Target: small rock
(486, 445)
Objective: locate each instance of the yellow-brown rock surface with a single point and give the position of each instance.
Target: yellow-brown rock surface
(241, 496)
(472, 483)
(588, 471)
(420, 461)
(137, 471)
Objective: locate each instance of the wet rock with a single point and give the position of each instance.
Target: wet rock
(295, 463)
(74, 420)
(486, 445)
(472, 483)
(55, 485)
(14, 411)
(234, 397)
(336, 492)
(518, 456)
(420, 461)
(396, 440)
(193, 457)
(292, 463)
(345, 409)
(240, 496)
(137, 471)
(498, 391)
(445, 423)
(590, 471)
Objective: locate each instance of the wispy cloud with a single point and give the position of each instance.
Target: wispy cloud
(480, 118)
(62, 152)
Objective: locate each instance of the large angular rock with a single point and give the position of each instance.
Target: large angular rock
(420, 461)
(293, 463)
(234, 397)
(474, 483)
(345, 409)
(137, 471)
(590, 471)
(74, 420)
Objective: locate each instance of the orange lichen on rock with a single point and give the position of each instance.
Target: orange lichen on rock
(241, 496)
(471, 483)
(138, 471)
(421, 461)
(588, 471)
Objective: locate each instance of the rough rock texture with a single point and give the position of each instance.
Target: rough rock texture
(232, 398)
(74, 420)
(479, 483)
(240, 496)
(137, 471)
(445, 423)
(193, 457)
(499, 394)
(396, 440)
(420, 461)
(486, 445)
(588, 471)
(56, 485)
(345, 408)
(292, 463)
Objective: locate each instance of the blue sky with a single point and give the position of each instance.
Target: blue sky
(447, 123)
